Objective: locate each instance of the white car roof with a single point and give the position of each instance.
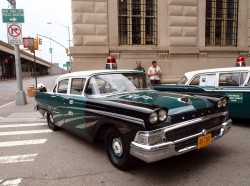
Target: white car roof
(227, 69)
(91, 72)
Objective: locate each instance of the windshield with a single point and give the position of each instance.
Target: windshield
(182, 81)
(109, 83)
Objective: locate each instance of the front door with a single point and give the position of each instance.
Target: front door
(74, 107)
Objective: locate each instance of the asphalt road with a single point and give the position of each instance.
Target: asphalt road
(61, 158)
(9, 87)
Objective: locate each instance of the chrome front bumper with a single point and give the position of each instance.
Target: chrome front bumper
(151, 153)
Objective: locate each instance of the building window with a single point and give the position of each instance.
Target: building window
(137, 22)
(221, 22)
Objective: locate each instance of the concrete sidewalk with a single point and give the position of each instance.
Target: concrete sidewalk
(12, 113)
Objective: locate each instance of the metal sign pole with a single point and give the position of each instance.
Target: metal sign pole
(35, 68)
(20, 94)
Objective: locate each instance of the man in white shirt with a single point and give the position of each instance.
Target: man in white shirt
(154, 73)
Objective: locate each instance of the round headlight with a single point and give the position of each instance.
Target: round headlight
(224, 102)
(153, 118)
(162, 115)
(219, 104)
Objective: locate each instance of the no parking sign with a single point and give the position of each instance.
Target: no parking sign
(14, 31)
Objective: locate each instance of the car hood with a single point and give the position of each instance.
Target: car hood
(172, 101)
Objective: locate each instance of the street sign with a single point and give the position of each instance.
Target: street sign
(67, 64)
(50, 50)
(13, 15)
(14, 31)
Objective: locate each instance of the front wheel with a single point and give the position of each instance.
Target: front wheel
(116, 150)
(51, 122)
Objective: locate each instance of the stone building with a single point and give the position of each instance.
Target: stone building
(181, 35)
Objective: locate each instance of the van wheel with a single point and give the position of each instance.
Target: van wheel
(116, 150)
(51, 122)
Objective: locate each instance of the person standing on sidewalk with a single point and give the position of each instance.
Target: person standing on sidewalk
(154, 73)
(139, 67)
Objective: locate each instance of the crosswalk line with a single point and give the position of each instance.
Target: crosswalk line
(11, 182)
(17, 158)
(23, 125)
(25, 132)
(24, 142)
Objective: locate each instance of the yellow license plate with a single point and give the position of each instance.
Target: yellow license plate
(204, 141)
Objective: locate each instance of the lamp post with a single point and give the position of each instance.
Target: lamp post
(50, 49)
(67, 27)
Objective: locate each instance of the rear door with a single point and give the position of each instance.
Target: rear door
(58, 101)
(231, 84)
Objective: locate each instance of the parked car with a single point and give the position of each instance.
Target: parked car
(233, 82)
(135, 121)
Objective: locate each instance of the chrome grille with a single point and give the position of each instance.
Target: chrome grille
(193, 141)
(193, 129)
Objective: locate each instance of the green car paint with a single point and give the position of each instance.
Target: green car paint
(163, 99)
(239, 97)
(74, 114)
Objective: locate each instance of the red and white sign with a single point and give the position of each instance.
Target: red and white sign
(14, 31)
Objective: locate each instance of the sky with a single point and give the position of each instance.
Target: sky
(37, 13)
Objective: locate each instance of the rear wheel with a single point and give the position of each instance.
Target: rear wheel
(51, 122)
(117, 151)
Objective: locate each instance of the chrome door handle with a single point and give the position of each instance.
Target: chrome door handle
(65, 100)
(219, 88)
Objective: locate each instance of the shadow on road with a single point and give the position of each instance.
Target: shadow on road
(241, 122)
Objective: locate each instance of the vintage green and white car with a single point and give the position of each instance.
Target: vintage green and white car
(135, 121)
(233, 82)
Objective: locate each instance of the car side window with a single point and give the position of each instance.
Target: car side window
(232, 79)
(54, 89)
(196, 81)
(248, 83)
(90, 89)
(63, 86)
(77, 86)
(243, 76)
(204, 80)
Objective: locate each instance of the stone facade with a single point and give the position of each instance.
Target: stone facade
(181, 38)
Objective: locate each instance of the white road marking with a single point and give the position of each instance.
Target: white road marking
(6, 104)
(25, 132)
(12, 182)
(24, 142)
(22, 125)
(17, 158)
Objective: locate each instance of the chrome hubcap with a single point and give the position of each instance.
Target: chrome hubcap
(117, 147)
(51, 118)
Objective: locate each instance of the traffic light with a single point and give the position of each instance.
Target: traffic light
(40, 41)
(67, 51)
(28, 42)
(31, 43)
(36, 41)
